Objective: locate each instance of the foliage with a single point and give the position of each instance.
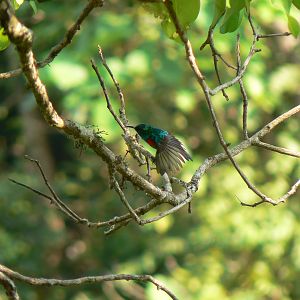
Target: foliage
(221, 250)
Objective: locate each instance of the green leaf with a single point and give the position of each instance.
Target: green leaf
(284, 4)
(4, 41)
(231, 21)
(296, 3)
(237, 5)
(247, 5)
(157, 9)
(233, 16)
(17, 3)
(294, 26)
(33, 5)
(186, 11)
(220, 7)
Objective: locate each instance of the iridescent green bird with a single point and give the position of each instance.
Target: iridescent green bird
(170, 154)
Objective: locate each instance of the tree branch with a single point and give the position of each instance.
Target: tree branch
(9, 286)
(83, 280)
(243, 91)
(277, 149)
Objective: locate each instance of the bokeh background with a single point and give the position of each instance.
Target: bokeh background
(221, 250)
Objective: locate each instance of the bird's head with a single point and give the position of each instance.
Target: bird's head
(142, 130)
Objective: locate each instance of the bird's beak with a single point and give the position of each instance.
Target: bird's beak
(130, 126)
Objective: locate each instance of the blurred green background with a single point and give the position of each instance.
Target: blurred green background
(221, 250)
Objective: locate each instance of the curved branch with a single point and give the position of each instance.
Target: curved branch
(83, 280)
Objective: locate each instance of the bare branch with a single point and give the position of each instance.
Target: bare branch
(109, 106)
(59, 204)
(276, 149)
(271, 35)
(243, 91)
(83, 280)
(116, 186)
(215, 55)
(120, 93)
(243, 68)
(270, 126)
(63, 43)
(9, 286)
(282, 199)
(168, 212)
(132, 145)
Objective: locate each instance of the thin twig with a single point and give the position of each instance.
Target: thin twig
(168, 212)
(215, 56)
(243, 91)
(56, 198)
(243, 68)
(281, 118)
(132, 145)
(70, 213)
(83, 280)
(120, 93)
(282, 199)
(271, 35)
(109, 106)
(124, 200)
(116, 186)
(276, 149)
(252, 26)
(60, 205)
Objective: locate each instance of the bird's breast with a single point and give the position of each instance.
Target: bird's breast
(151, 142)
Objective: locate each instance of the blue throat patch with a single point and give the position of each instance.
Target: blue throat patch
(149, 132)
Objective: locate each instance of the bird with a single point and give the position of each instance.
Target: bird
(170, 152)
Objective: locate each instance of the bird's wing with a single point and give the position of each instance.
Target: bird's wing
(170, 155)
